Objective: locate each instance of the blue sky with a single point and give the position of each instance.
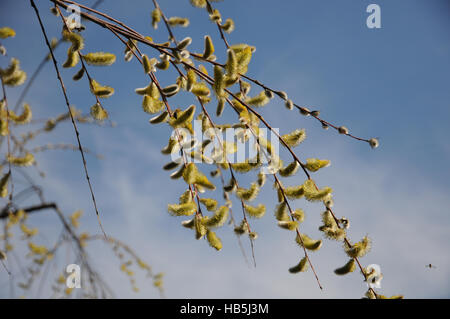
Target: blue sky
(391, 83)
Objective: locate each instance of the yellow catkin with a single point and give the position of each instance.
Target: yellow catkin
(170, 166)
(4, 185)
(312, 194)
(6, 32)
(200, 90)
(231, 186)
(160, 118)
(26, 160)
(308, 243)
(248, 194)
(191, 79)
(213, 240)
(72, 59)
(202, 69)
(177, 174)
(330, 227)
(200, 229)
(294, 192)
(359, 249)
(100, 58)
(151, 105)
(289, 170)
(17, 78)
(259, 100)
(177, 21)
(156, 18)
(198, 3)
(392, 297)
(242, 228)
(228, 26)
(231, 66)
(261, 179)
(130, 49)
(288, 224)
(78, 75)
(192, 175)
(299, 215)
(184, 118)
(328, 219)
(75, 38)
(314, 164)
(302, 266)
(170, 90)
(281, 213)
(209, 48)
(294, 138)
(28, 232)
(100, 90)
(151, 90)
(219, 83)
(255, 211)
(220, 106)
(246, 87)
(349, 267)
(146, 63)
(163, 64)
(75, 217)
(170, 147)
(98, 112)
(209, 203)
(218, 219)
(14, 65)
(244, 57)
(185, 209)
(186, 197)
(37, 249)
(183, 44)
(23, 118)
(4, 123)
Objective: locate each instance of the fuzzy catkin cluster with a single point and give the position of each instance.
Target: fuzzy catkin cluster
(216, 83)
(227, 85)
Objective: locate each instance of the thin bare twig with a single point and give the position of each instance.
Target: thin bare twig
(71, 115)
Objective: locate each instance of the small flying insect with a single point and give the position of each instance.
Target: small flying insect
(430, 266)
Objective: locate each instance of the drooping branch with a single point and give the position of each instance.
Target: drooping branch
(63, 88)
(131, 34)
(5, 212)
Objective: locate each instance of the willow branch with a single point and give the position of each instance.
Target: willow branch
(166, 50)
(63, 88)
